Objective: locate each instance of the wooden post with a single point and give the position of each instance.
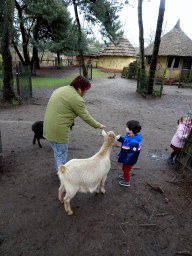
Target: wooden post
(171, 69)
(18, 85)
(30, 83)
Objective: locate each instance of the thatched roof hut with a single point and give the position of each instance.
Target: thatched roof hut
(121, 48)
(175, 53)
(113, 56)
(174, 43)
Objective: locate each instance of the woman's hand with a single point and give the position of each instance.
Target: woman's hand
(102, 126)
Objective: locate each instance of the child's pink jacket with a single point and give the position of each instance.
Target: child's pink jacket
(180, 135)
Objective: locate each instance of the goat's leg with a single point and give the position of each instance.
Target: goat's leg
(67, 200)
(34, 139)
(102, 184)
(38, 140)
(98, 188)
(61, 193)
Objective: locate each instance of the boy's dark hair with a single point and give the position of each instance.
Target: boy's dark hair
(134, 126)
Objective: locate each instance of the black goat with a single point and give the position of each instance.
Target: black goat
(37, 127)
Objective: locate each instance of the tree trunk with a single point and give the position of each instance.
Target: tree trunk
(8, 93)
(79, 39)
(35, 58)
(24, 35)
(58, 60)
(141, 39)
(156, 46)
(18, 53)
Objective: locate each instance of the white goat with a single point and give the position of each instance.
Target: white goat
(86, 175)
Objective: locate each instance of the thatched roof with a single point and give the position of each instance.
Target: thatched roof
(122, 48)
(174, 43)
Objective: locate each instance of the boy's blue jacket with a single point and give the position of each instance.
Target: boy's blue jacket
(130, 148)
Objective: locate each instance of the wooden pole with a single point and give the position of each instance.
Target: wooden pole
(18, 85)
(171, 69)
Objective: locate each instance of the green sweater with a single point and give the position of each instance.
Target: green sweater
(64, 105)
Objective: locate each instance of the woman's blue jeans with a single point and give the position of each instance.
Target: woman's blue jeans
(60, 153)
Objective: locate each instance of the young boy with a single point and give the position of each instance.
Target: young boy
(130, 150)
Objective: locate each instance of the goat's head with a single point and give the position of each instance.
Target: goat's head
(110, 136)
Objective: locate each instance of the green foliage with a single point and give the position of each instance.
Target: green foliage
(11, 102)
(103, 13)
(156, 92)
(1, 62)
(2, 13)
(45, 25)
(93, 45)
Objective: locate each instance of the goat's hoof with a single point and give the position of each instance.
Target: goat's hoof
(103, 191)
(70, 212)
(61, 200)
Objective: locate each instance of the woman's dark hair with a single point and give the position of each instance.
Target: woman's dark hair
(134, 126)
(81, 82)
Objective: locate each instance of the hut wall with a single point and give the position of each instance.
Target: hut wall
(114, 62)
(78, 60)
(162, 61)
(108, 62)
(87, 60)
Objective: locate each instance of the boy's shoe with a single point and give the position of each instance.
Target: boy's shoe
(121, 176)
(124, 183)
(174, 159)
(170, 160)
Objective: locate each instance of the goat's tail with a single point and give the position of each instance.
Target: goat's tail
(62, 169)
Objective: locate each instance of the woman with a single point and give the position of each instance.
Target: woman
(65, 104)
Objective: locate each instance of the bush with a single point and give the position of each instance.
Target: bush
(1, 62)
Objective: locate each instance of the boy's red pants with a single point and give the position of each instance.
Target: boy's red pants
(126, 169)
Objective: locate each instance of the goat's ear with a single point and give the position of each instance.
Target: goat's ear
(104, 133)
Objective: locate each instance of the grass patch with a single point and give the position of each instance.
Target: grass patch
(44, 82)
(48, 82)
(100, 74)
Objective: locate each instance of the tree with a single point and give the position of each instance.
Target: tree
(156, 46)
(102, 12)
(42, 25)
(79, 38)
(8, 93)
(141, 39)
(62, 34)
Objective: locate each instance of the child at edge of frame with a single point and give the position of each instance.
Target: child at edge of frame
(178, 140)
(130, 150)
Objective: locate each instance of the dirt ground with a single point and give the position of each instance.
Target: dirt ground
(152, 217)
